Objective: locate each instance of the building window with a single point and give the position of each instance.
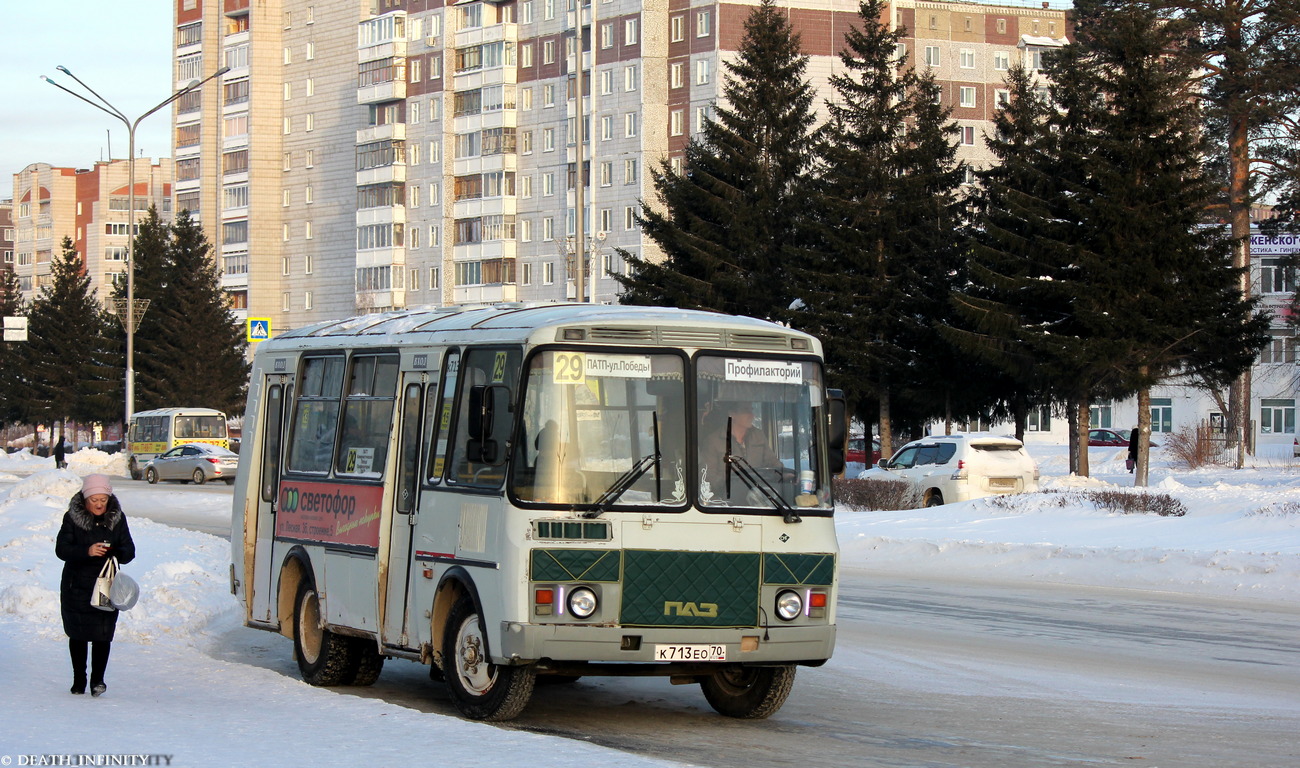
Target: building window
(677, 25)
(306, 300)
(548, 95)
(306, 264)
(548, 139)
(548, 228)
(1280, 349)
(1162, 414)
(1276, 277)
(1002, 98)
(967, 96)
(311, 51)
(307, 194)
(675, 121)
(1002, 26)
(1001, 61)
(702, 24)
(607, 35)
(606, 127)
(629, 171)
(702, 72)
(1277, 417)
(676, 79)
(630, 36)
(1039, 419)
(968, 135)
(606, 173)
(629, 78)
(629, 218)
(629, 125)
(967, 58)
(932, 55)
(548, 51)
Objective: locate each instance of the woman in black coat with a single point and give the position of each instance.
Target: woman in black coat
(94, 529)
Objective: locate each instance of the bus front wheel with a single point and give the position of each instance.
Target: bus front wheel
(323, 657)
(748, 692)
(479, 689)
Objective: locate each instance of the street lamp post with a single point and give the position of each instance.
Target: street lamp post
(130, 316)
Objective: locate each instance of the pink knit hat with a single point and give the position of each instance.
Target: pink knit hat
(96, 484)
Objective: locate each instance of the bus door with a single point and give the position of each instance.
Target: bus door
(277, 393)
(405, 499)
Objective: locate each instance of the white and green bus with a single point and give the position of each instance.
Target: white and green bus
(513, 492)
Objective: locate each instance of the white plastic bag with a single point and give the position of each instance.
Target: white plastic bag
(100, 595)
(124, 592)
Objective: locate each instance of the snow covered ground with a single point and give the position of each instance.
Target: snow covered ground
(174, 691)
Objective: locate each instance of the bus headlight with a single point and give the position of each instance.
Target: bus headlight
(582, 603)
(788, 605)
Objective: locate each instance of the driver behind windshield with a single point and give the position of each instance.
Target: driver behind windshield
(747, 443)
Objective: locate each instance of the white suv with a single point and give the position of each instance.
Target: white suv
(949, 468)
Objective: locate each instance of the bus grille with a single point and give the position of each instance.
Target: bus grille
(690, 589)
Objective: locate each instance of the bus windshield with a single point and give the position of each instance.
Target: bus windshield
(602, 427)
(758, 437)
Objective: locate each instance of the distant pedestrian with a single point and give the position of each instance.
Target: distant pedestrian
(94, 528)
(60, 453)
(1132, 450)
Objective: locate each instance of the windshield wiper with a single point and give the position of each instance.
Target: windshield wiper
(756, 481)
(628, 478)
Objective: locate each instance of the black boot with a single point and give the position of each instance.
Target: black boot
(98, 665)
(77, 652)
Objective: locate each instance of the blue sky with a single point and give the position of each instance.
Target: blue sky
(121, 48)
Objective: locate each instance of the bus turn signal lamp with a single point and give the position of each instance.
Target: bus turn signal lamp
(543, 600)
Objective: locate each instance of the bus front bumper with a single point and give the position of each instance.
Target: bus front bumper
(524, 643)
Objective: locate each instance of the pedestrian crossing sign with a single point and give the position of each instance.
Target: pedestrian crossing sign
(259, 328)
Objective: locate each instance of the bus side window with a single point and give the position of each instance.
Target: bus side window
(492, 373)
(271, 441)
(438, 418)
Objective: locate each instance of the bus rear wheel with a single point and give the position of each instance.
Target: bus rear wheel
(748, 692)
(323, 657)
(479, 689)
(134, 469)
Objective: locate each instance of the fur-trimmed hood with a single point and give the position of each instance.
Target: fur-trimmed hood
(82, 518)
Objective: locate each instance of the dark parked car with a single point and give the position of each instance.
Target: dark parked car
(195, 462)
(1111, 437)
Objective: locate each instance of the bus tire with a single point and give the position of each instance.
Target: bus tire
(323, 657)
(748, 692)
(366, 663)
(135, 470)
(479, 689)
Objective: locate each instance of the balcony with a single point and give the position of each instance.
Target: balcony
(381, 92)
(381, 132)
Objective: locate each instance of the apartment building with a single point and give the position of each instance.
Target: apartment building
(363, 155)
(7, 235)
(89, 205)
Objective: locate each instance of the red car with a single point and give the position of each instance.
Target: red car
(857, 451)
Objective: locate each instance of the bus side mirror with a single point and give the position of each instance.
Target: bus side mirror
(489, 407)
(838, 429)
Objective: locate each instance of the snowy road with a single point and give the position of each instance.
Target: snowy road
(932, 667)
(950, 674)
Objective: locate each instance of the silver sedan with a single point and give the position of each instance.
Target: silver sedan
(195, 462)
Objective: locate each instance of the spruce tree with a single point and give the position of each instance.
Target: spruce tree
(213, 364)
(11, 382)
(153, 353)
(1167, 292)
(69, 363)
(1244, 52)
(190, 350)
(888, 219)
(729, 224)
